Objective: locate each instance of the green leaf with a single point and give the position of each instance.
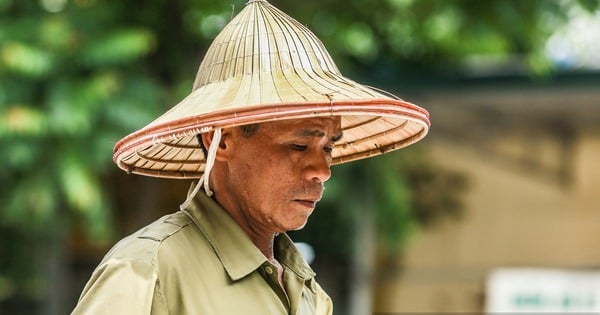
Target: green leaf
(22, 120)
(56, 33)
(26, 59)
(359, 41)
(32, 202)
(139, 102)
(119, 47)
(19, 155)
(80, 187)
(74, 106)
(83, 193)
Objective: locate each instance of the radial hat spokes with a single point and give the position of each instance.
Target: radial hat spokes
(265, 66)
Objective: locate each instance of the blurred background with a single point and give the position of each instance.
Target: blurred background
(496, 210)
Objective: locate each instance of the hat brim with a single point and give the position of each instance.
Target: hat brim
(370, 127)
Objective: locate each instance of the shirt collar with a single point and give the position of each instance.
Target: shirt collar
(235, 250)
(288, 255)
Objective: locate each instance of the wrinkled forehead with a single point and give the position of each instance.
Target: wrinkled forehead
(329, 127)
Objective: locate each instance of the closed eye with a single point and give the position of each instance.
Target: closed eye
(299, 147)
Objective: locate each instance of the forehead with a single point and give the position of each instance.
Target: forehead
(329, 127)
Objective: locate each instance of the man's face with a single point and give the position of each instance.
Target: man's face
(276, 176)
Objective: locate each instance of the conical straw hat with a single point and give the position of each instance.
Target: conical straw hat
(265, 66)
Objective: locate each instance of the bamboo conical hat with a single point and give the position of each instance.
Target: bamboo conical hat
(265, 66)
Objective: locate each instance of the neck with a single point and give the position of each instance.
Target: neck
(261, 236)
(264, 242)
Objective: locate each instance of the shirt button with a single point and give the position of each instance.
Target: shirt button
(269, 270)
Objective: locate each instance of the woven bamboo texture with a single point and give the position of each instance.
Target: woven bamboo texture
(265, 66)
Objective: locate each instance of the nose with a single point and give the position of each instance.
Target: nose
(318, 168)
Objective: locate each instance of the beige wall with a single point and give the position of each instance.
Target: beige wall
(513, 218)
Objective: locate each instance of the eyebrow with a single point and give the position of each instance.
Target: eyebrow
(319, 133)
(337, 137)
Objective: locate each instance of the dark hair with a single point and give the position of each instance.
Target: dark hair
(247, 131)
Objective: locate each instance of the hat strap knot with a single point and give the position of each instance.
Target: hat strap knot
(210, 162)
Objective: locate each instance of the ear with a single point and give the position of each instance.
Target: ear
(224, 149)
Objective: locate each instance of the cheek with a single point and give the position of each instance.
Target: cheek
(268, 174)
(275, 180)
(260, 176)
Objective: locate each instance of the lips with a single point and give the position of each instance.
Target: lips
(310, 196)
(307, 203)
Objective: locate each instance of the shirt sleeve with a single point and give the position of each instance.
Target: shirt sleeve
(122, 287)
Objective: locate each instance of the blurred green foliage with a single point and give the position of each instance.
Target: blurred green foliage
(77, 75)
(71, 84)
(389, 39)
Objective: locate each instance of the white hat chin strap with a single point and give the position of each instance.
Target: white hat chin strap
(204, 180)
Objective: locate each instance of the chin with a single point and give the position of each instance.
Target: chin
(298, 226)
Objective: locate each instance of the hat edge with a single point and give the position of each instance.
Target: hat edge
(273, 112)
(156, 134)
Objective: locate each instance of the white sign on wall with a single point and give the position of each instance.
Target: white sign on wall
(542, 290)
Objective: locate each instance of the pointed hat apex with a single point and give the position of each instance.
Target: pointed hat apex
(265, 66)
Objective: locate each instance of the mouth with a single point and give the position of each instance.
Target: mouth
(308, 203)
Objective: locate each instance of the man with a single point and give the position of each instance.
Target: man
(273, 113)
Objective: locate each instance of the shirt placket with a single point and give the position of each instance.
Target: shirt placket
(269, 272)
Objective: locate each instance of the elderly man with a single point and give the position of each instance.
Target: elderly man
(268, 115)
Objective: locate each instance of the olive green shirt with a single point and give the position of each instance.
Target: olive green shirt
(199, 261)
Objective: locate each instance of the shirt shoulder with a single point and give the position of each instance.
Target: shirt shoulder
(165, 227)
(144, 244)
(127, 280)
